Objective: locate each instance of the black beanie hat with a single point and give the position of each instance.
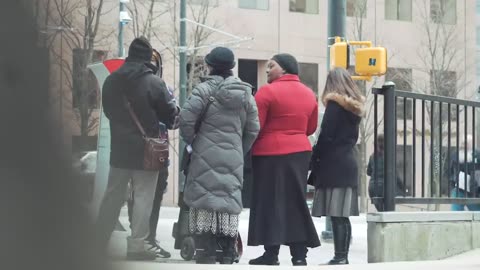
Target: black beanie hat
(140, 49)
(221, 58)
(287, 62)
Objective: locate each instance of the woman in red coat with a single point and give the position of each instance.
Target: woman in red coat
(279, 215)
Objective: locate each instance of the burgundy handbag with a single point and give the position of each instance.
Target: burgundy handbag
(155, 153)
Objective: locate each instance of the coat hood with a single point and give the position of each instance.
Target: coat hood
(347, 103)
(134, 70)
(230, 92)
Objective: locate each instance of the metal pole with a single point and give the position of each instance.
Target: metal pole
(183, 80)
(390, 151)
(335, 27)
(478, 117)
(120, 32)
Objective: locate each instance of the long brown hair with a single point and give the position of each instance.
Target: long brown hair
(340, 82)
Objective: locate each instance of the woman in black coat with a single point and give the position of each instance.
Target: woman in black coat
(334, 164)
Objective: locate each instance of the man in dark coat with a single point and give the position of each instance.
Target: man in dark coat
(148, 95)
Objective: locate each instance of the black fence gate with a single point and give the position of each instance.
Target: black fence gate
(445, 122)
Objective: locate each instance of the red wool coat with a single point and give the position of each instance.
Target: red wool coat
(288, 114)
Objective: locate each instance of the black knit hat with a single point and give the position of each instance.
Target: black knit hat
(220, 58)
(287, 62)
(140, 49)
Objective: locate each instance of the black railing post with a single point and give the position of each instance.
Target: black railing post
(390, 147)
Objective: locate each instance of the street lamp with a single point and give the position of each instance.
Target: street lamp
(124, 19)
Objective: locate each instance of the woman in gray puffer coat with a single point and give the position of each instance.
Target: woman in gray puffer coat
(214, 181)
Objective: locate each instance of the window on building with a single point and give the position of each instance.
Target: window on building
(85, 90)
(308, 74)
(248, 71)
(253, 4)
(443, 11)
(400, 10)
(443, 83)
(357, 8)
(402, 77)
(304, 6)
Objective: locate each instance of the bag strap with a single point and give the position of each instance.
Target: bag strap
(210, 100)
(134, 116)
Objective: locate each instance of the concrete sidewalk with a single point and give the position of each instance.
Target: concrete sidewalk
(317, 256)
(437, 265)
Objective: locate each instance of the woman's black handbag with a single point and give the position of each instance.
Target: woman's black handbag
(186, 154)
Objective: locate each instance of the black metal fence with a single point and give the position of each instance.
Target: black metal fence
(436, 126)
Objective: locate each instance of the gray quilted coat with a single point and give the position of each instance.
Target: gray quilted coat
(229, 129)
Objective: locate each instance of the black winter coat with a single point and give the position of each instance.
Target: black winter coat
(334, 162)
(150, 101)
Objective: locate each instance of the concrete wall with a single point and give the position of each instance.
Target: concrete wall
(421, 236)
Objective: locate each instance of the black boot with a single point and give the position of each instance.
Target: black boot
(269, 257)
(205, 249)
(341, 240)
(228, 250)
(299, 254)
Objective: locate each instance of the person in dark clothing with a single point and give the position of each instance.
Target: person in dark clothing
(334, 164)
(279, 215)
(376, 183)
(461, 168)
(134, 82)
(162, 177)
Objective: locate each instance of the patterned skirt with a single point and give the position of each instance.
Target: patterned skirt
(204, 221)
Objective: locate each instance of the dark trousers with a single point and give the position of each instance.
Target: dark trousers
(375, 189)
(157, 202)
(298, 251)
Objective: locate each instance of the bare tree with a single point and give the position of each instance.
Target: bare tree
(198, 36)
(79, 24)
(441, 59)
(146, 14)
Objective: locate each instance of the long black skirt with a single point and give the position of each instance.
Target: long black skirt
(279, 213)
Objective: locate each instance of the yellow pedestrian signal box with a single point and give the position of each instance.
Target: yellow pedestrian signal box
(371, 61)
(340, 55)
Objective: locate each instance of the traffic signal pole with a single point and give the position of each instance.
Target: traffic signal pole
(335, 27)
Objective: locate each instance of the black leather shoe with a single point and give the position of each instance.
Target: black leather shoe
(299, 262)
(262, 260)
(338, 260)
